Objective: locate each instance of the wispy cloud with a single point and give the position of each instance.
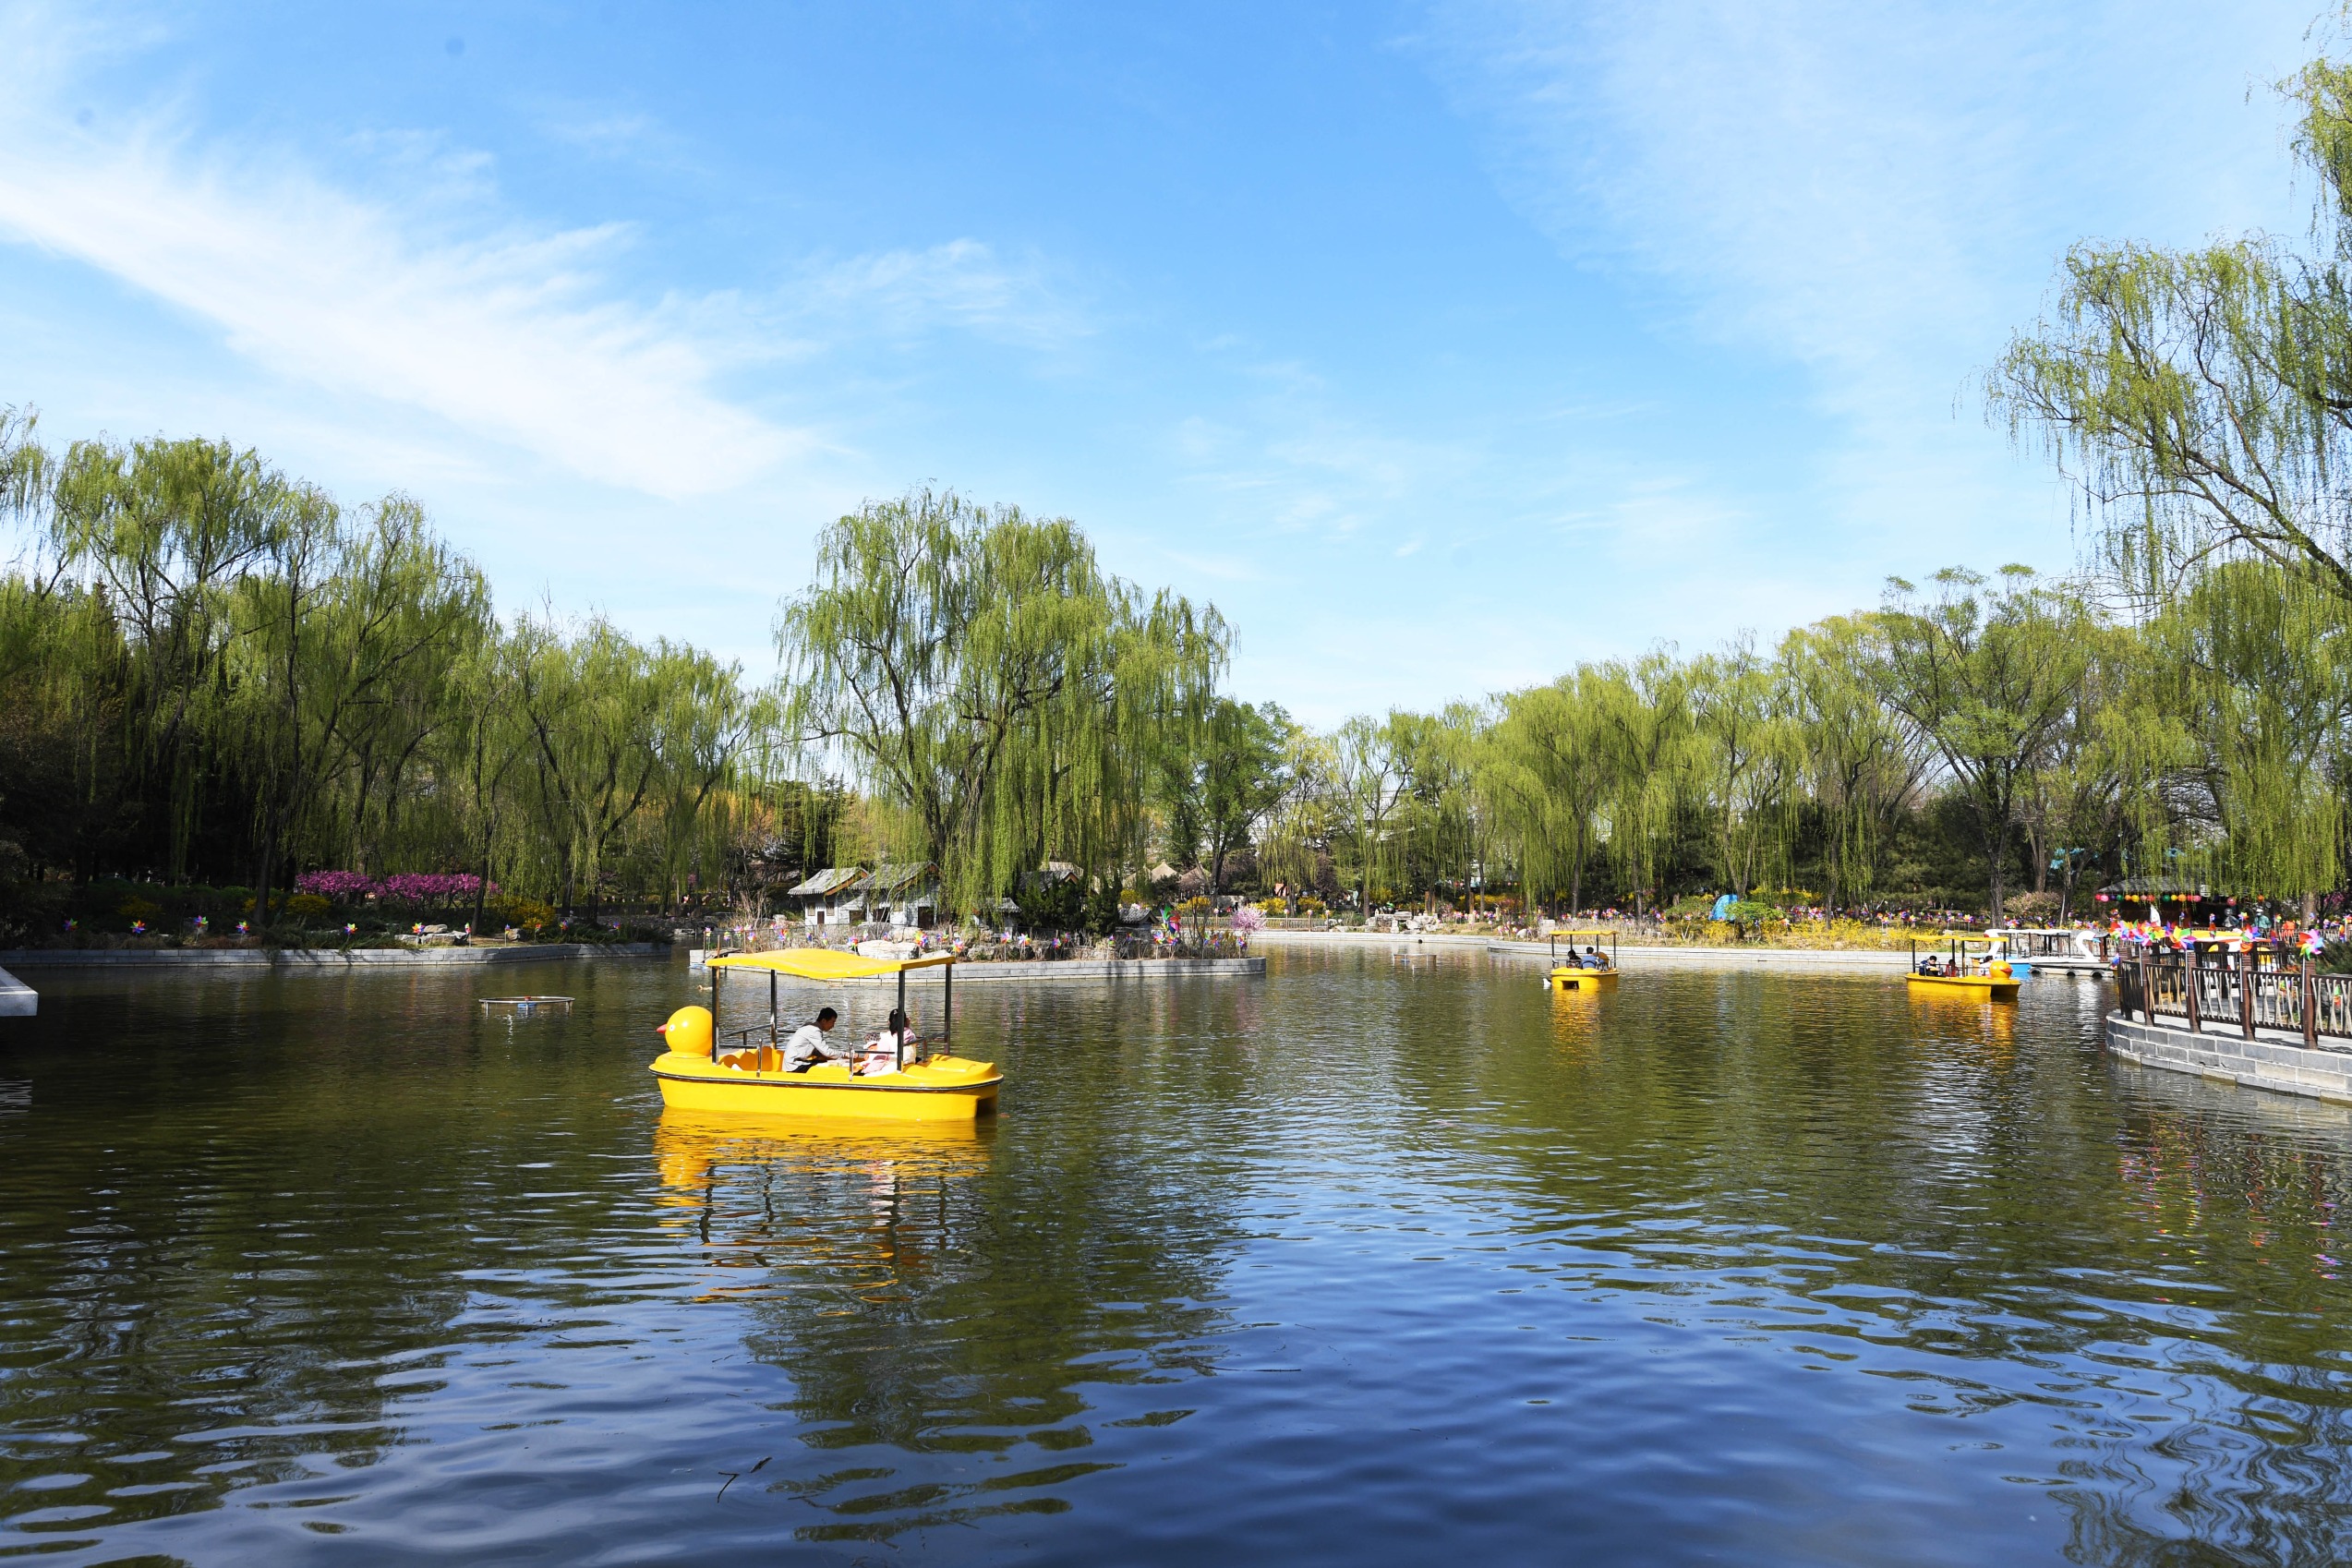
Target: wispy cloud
(408, 280)
(511, 333)
(1875, 193)
(962, 284)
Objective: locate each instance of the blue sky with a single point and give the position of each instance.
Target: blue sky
(1441, 345)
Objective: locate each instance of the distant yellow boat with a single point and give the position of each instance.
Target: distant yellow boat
(1989, 979)
(1577, 976)
(752, 1080)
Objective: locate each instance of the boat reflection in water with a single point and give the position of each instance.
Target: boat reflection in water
(859, 1202)
(1961, 1017)
(924, 1338)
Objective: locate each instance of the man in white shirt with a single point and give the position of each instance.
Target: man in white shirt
(807, 1046)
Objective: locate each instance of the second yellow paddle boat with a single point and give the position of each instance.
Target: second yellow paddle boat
(1987, 977)
(751, 1081)
(1583, 974)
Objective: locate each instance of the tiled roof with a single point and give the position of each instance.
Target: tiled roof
(892, 878)
(830, 880)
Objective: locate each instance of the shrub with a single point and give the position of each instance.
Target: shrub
(335, 886)
(523, 913)
(432, 889)
(310, 906)
(2030, 908)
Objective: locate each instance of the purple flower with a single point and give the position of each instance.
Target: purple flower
(432, 889)
(338, 886)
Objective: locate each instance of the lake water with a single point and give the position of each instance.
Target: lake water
(1381, 1259)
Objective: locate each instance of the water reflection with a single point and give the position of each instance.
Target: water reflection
(1381, 1261)
(939, 1353)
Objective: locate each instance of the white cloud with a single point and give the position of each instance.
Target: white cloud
(962, 284)
(510, 334)
(1876, 193)
(426, 293)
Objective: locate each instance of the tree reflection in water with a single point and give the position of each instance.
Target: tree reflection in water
(941, 1325)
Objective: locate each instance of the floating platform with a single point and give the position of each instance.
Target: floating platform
(17, 998)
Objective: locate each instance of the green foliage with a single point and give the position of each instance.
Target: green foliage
(1988, 671)
(1052, 905)
(208, 669)
(1220, 774)
(983, 676)
(2202, 399)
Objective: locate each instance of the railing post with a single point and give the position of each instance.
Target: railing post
(2246, 989)
(2311, 1008)
(2188, 990)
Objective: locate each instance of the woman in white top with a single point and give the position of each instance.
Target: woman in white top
(882, 1053)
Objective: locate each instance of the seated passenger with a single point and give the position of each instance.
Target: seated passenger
(886, 1051)
(1593, 958)
(807, 1047)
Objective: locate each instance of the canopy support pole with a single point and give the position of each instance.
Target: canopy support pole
(947, 1010)
(771, 1006)
(714, 1011)
(898, 1035)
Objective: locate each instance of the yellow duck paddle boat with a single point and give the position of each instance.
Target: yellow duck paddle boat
(751, 1081)
(1579, 975)
(1990, 978)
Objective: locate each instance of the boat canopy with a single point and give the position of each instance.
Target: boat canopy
(827, 963)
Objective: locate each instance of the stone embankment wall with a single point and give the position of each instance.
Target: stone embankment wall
(2270, 1061)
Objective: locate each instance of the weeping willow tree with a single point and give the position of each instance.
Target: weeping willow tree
(1299, 827)
(625, 740)
(1220, 774)
(164, 531)
(983, 676)
(1747, 761)
(1644, 710)
(1368, 776)
(1544, 772)
(1987, 670)
(2254, 665)
(1860, 767)
(210, 670)
(1435, 836)
(2202, 399)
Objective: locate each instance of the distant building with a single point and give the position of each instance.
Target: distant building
(2165, 898)
(818, 901)
(898, 895)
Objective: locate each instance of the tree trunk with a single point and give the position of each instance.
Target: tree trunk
(1996, 848)
(482, 889)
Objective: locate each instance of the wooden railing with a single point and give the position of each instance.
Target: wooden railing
(2238, 994)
